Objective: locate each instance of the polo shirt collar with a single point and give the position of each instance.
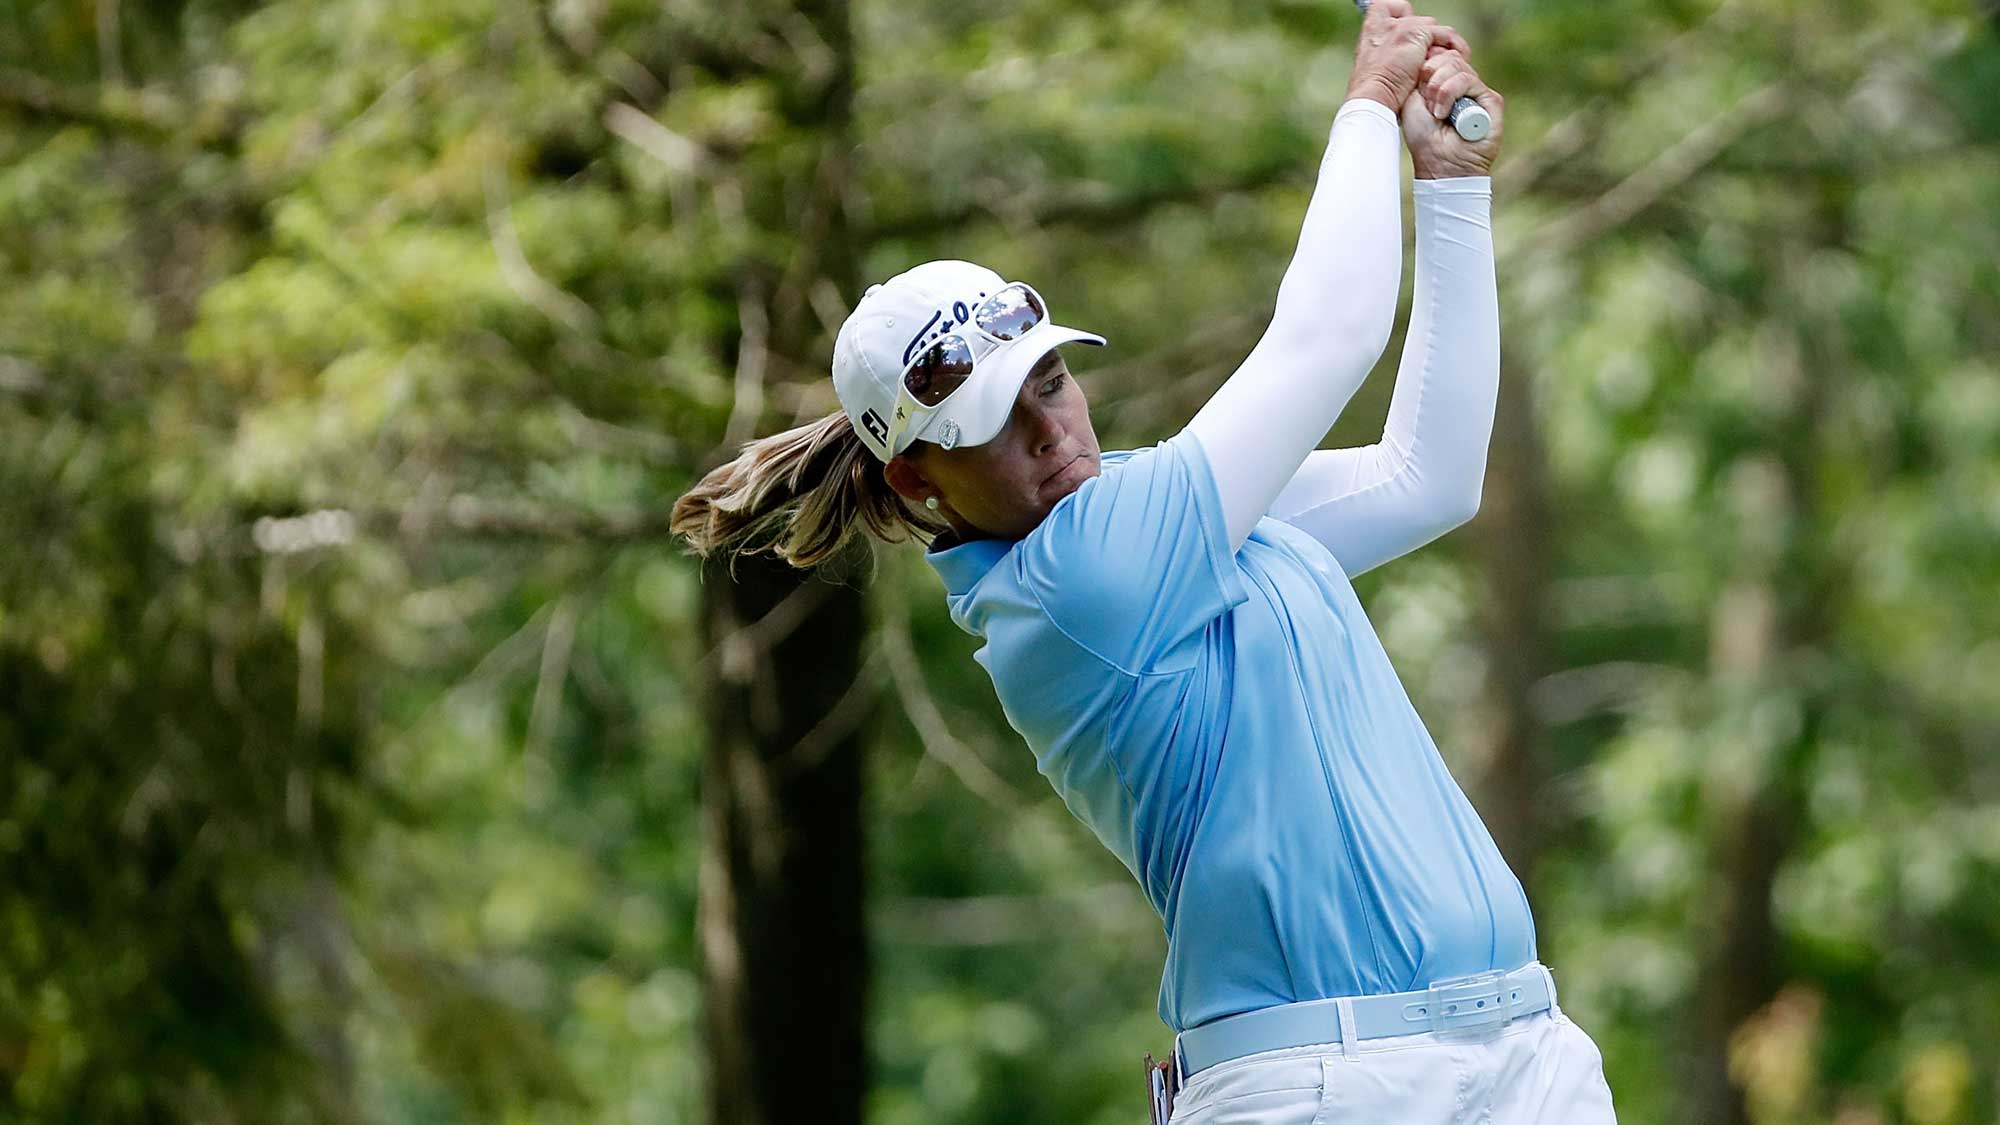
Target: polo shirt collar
(962, 566)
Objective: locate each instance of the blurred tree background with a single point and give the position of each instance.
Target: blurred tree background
(368, 753)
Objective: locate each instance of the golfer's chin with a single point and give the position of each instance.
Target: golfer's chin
(1069, 478)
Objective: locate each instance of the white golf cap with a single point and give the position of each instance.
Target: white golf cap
(911, 311)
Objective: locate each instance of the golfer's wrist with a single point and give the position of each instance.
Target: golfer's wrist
(1374, 88)
(1448, 169)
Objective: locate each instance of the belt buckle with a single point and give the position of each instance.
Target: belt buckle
(1476, 1005)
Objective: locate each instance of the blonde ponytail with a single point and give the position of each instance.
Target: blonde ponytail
(800, 495)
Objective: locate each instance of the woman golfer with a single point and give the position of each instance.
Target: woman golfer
(1172, 630)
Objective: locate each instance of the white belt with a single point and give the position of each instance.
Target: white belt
(1472, 1005)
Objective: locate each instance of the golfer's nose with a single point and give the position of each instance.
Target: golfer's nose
(1044, 427)
(1033, 419)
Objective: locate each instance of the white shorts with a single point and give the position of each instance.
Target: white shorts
(1540, 1068)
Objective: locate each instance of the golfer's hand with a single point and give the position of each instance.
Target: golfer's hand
(1436, 149)
(1391, 49)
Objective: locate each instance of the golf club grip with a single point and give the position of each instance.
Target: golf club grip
(1468, 118)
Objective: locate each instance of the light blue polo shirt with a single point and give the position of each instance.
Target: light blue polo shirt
(1229, 725)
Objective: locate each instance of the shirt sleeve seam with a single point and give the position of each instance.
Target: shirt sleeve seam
(1071, 637)
(1215, 539)
(1110, 753)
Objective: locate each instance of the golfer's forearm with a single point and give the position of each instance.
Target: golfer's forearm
(1371, 504)
(1335, 308)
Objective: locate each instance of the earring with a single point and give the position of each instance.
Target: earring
(931, 503)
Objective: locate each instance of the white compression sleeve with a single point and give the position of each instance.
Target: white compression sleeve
(1374, 503)
(1335, 308)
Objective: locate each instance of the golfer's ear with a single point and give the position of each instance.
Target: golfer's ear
(908, 482)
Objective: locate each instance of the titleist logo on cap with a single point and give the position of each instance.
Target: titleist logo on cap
(961, 314)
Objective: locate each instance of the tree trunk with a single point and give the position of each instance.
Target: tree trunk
(784, 953)
(784, 956)
(1778, 613)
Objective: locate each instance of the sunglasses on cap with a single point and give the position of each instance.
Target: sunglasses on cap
(937, 372)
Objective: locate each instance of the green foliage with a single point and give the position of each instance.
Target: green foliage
(350, 353)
